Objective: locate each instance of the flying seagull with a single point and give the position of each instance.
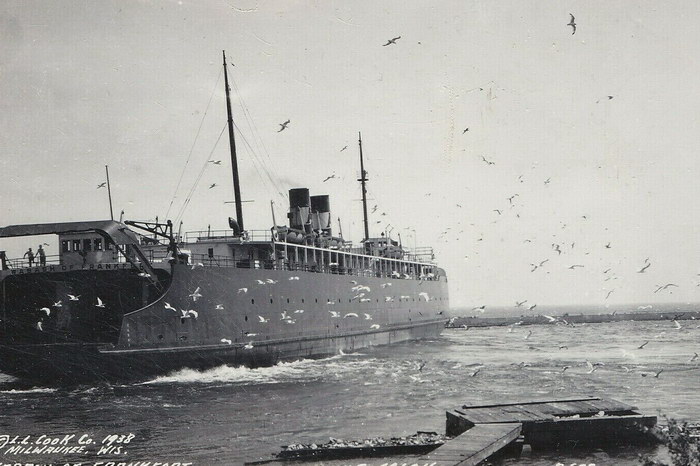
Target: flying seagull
(644, 268)
(102, 185)
(213, 185)
(99, 303)
(488, 162)
(263, 320)
(215, 162)
(659, 288)
(643, 345)
(572, 24)
(391, 41)
(465, 130)
(330, 177)
(73, 298)
(518, 304)
(195, 295)
(341, 150)
(283, 126)
(227, 341)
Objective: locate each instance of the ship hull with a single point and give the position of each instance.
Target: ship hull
(242, 316)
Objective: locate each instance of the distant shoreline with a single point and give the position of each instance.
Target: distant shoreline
(571, 319)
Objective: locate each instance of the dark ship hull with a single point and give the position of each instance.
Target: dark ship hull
(232, 326)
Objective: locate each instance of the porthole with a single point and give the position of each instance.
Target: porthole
(246, 318)
(252, 301)
(287, 300)
(316, 299)
(270, 300)
(302, 300)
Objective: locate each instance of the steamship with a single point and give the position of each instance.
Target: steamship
(130, 300)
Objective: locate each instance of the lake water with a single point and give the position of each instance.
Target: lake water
(230, 415)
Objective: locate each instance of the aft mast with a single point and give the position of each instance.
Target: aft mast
(234, 160)
(363, 180)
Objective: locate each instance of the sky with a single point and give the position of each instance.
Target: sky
(592, 135)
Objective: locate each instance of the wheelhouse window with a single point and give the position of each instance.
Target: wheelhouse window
(65, 246)
(76, 245)
(98, 244)
(87, 244)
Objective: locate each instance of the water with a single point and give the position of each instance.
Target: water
(230, 415)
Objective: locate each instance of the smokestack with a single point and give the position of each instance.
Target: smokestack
(299, 208)
(321, 208)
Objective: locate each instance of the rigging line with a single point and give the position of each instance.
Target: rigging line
(255, 164)
(256, 136)
(186, 203)
(275, 186)
(193, 143)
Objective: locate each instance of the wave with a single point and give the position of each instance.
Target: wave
(15, 391)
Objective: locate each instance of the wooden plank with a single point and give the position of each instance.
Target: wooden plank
(608, 404)
(472, 447)
(561, 400)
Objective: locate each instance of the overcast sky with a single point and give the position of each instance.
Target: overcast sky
(127, 83)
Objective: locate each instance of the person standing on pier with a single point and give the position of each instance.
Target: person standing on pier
(42, 256)
(30, 256)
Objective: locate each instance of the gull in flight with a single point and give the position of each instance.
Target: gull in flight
(284, 315)
(532, 307)
(465, 130)
(643, 345)
(350, 314)
(334, 313)
(213, 185)
(248, 345)
(73, 298)
(488, 162)
(329, 177)
(271, 281)
(341, 150)
(384, 285)
(58, 304)
(572, 24)
(678, 325)
(263, 320)
(388, 299)
(374, 326)
(260, 282)
(189, 314)
(656, 374)
(299, 311)
(529, 332)
(644, 268)
(283, 126)
(365, 300)
(195, 295)
(102, 185)
(473, 374)
(168, 306)
(549, 318)
(591, 367)
(38, 326)
(659, 288)
(46, 310)
(198, 264)
(144, 274)
(572, 267)
(695, 356)
(215, 162)
(242, 290)
(219, 307)
(99, 303)
(425, 295)
(519, 304)
(367, 316)
(293, 278)
(226, 340)
(391, 41)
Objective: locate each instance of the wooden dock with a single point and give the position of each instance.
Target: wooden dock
(480, 431)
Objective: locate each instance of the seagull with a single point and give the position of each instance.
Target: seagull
(284, 315)
(242, 290)
(299, 311)
(607, 246)
(263, 320)
(365, 300)
(529, 332)
(290, 321)
(572, 267)
(496, 210)
(519, 304)
(293, 278)
(481, 308)
(549, 318)
(330, 177)
(341, 150)
(213, 185)
(72, 298)
(664, 287)
(425, 295)
(391, 41)
(144, 274)
(572, 24)
(215, 162)
(271, 281)
(350, 314)
(334, 314)
(249, 334)
(260, 282)
(219, 307)
(330, 303)
(644, 268)
(188, 314)
(226, 340)
(678, 325)
(473, 374)
(643, 345)
(532, 307)
(591, 367)
(556, 248)
(609, 293)
(283, 126)
(198, 264)
(46, 310)
(367, 316)
(195, 295)
(547, 181)
(563, 369)
(695, 356)
(102, 185)
(465, 130)
(510, 199)
(488, 162)
(384, 285)
(99, 303)
(168, 306)
(374, 326)
(248, 345)
(388, 299)
(38, 326)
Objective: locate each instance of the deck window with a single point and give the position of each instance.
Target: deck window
(98, 244)
(87, 244)
(65, 246)
(76, 245)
